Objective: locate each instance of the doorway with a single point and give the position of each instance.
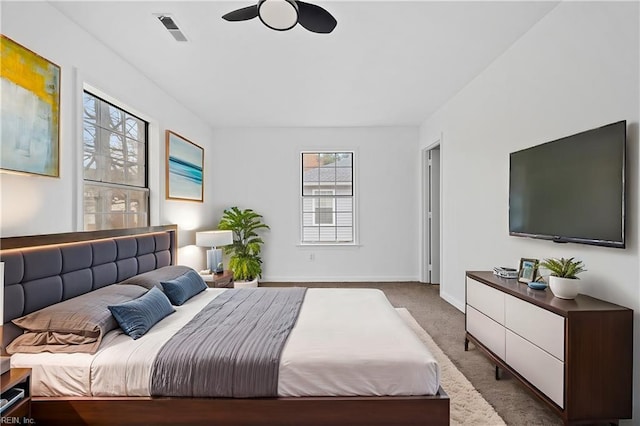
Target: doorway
(431, 214)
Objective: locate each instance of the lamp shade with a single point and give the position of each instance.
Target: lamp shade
(214, 238)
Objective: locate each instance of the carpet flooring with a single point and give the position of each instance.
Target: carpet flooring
(467, 406)
(445, 324)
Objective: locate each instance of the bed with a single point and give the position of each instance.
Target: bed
(321, 380)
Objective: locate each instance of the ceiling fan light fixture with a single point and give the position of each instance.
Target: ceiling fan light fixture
(282, 15)
(279, 15)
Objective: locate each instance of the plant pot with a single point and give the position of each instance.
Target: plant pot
(246, 284)
(564, 288)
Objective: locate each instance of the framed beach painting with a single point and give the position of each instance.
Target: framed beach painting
(29, 112)
(185, 168)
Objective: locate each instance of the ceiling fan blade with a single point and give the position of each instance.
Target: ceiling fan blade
(243, 14)
(315, 19)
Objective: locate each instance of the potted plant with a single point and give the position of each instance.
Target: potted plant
(245, 260)
(563, 281)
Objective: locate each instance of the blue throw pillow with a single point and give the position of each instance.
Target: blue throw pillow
(137, 316)
(183, 288)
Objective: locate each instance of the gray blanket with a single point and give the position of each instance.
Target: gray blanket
(231, 348)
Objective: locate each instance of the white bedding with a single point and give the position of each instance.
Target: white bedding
(346, 342)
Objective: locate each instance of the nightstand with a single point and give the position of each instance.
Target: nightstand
(17, 378)
(224, 279)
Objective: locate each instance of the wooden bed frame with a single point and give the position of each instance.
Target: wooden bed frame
(369, 411)
(308, 411)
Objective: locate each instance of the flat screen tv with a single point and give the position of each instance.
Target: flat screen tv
(571, 189)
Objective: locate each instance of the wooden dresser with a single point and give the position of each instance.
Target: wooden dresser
(575, 355)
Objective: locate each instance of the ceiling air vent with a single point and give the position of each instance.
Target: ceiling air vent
(171, 26)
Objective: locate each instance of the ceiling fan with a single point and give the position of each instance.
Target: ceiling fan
(282, 15)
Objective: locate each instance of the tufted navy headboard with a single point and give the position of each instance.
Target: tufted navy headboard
(46, 269)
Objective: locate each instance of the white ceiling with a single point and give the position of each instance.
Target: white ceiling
(387, 63)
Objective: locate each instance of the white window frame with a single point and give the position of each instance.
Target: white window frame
(155, 152)
(80, 223)
(354, 197)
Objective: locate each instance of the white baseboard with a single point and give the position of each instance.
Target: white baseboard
(307, 279)
(452, 300)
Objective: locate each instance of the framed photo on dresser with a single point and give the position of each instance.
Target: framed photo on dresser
(528, 270)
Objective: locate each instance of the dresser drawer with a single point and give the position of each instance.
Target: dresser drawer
(485, 299)
(541, 369)
(542, 328)
(486, 330)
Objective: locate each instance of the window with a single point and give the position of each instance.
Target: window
(327, 197)
(324, 204)
(116, 193)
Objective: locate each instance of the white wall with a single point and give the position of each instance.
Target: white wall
(259, 169)
(578, 68)
(41, 205)
(386, 167)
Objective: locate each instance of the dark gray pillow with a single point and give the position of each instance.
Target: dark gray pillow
(184, 287)
(153, 278)
(136, 317)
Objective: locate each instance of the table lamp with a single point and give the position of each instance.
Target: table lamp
(214, 239)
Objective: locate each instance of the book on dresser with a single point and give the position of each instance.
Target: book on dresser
(15, 388)
(10, 397)
(575, 355)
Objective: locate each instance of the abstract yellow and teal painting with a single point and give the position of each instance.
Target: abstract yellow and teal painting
(29, 111)
(185, 168)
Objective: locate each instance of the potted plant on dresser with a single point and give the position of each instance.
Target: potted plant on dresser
(563, 281)
(244, 260)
